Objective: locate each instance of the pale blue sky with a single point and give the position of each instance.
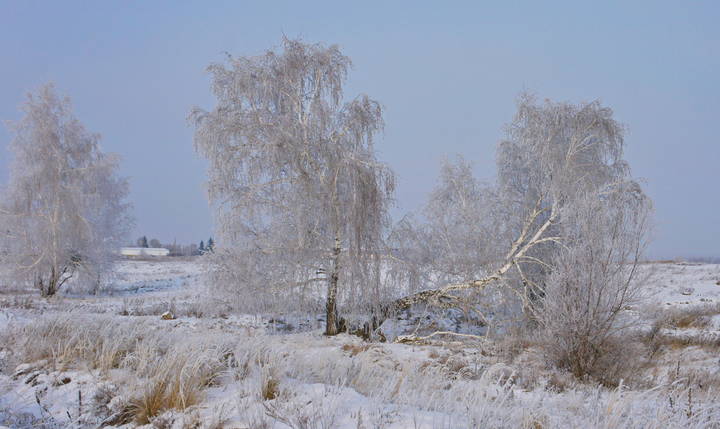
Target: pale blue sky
(447, 74)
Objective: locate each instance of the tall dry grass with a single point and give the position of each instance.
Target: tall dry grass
(169, 370)
(165, 369)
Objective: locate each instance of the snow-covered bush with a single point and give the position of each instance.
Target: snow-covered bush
(593, 284)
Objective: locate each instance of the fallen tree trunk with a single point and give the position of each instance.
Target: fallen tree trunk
(445, 297)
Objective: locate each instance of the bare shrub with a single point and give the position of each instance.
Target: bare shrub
(593, 283)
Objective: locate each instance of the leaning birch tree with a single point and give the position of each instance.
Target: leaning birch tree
(63, 213)
(299, 196)
(555, 158)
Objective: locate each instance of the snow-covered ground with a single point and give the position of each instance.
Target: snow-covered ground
(141, 276)
(681, 284)
(79, 361)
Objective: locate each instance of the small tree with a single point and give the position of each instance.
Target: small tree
(142, 242)
(201, 248)
(63, 211)
(455, 244)
(593, 281)
(210, 245)
(155, 243)
(299, 195)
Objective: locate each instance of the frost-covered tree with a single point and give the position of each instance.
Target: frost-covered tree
(299, 196)
(556, 158)
(63, 213)
(593, 280)
(453, 243)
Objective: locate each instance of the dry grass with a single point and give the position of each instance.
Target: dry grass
(708, 341)
(164, 393)
(269, 383)
(355, 349)
(693, 317)
(171, 371)
(190, 306)
(678, 329)
(516, 341)
(25, 302)
(63, 341)
(175, 378)
(177, 382)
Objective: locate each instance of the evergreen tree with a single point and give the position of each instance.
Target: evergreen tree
(142, 242)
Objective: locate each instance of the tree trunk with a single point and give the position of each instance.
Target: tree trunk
(50, 287)
(40, 285)
(332, 324)
(46, 289)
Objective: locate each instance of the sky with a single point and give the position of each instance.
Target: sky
(447, 74)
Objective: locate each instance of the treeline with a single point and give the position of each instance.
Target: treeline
(176, 249)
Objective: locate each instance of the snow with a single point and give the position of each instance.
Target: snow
(137, 277)
(343, 382)
(681, 284)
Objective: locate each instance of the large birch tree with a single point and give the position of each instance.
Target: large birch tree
(299, 196)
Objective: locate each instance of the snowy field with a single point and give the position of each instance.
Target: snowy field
(113, 360)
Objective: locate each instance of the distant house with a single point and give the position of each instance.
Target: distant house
(144, 251)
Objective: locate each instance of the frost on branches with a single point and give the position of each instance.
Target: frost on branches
(63, 213)
(301, 200)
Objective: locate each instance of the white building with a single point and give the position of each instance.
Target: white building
(144, 251)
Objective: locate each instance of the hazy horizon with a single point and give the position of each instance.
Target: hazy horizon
(447, 78)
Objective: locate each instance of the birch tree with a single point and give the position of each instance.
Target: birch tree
(299, 196)
(555, 156)
(63, 213)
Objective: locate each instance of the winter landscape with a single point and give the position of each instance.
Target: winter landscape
(544, 291)
(112, 361)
